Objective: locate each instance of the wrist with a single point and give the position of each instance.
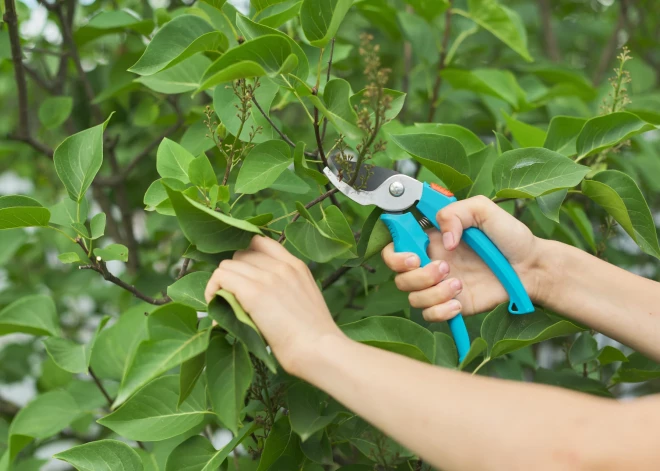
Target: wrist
(308, 361)
(544, 274)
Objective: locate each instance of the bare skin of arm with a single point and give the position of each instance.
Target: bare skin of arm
(442, 415)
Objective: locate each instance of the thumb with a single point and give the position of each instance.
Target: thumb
(477, 211)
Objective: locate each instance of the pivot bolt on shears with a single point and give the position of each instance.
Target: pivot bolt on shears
(396, 194)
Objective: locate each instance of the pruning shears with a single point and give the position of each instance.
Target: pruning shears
(397, 194)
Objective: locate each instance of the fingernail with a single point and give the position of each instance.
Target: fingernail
(412, 261)
(456, 285)
(448, 240)
(443, 268)
(455, 306)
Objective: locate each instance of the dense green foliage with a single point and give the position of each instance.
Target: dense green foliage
(150, 143)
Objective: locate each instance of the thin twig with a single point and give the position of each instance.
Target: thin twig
(184, 268)
(314, 202)
(333, 277)
(327, 79)
(549, 38)
(100, 267)
(441, 64)
(101, 387)
(43, 83)
(319, 139)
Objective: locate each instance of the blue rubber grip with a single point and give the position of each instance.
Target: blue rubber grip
(519, 303)
(408, 236)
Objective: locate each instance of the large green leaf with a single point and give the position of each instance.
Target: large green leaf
(189, 373)
(198, 454)
(78, 159)
(607, 131)
(22, 211)
(269, 55)
(112, 252)
(503, 23)
(260, 5)
(102, 455)
(177, 40)
(254, 30)
(324, 240)
(429, 9)
(320, 19)
(222, 311)
(35, 315)
(534, 171)
(281, 442)
(116, 345)
(336, 107)
(501, 84)
(277, 15)
(53, 111)
(110, 22)
(153, 414)
(210, 231)
(483, 180)
(526, 135)
(201, 173)
(173, 161)
(638, 368)
(189, 290)
(550, 204)
(583, 350)
(229, 373)
(445, 351)
(442, 155)
(44, 417)
(183, 77)
(309, 411)
(173, 339)
(262, 166)
(505, 332)
(71, 356)
(395, 334)
(563, 133)
(619, 195)
(302, 168)
(571, 380)
(469, 140)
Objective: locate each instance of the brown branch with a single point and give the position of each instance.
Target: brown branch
(319, 139)
(549, 38)
(23, 133)
(278, 130)
(330, 280)
(609, 51)
(184, 268)
(327, 79)
(314, 202)
(101, 387)
(441, 64)
(100, 267)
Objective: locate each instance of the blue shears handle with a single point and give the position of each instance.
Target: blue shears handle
(408, 236)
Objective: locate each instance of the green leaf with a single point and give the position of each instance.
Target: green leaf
(550, 204)
(198, 454)
(469, 140)
(269, 55)
(254, 30)
(102, 455)
(619, 195)
(583, 350)
(262, 166)
(503, 144)
(324, 240)
(173, 161)
(534, 171)
(442, 155)
(505, 332)
(191, 371)
(210, 231)
(281, 442)
(80, 229)
(638, 368)
(563, 133)
(320, 19)
(112, 252)
(67, 211)
(397, 100)
(380, 237)
(526, 135)
(116, 345)
(607, 131)
(446, 354)
(78, 159)
(395, 334)
(260, 5)
(336, 107)
(503, 23)
(429, 9)
(53, 111)
(225, 310)
(240, 314)
(217, 4)
(10, 242)
(153, 413)
(45, 416)
(97, 226)
(571, 380)
(69, 257)
(35, 315)
(71, 356)
(189, 290)
(22, 211)
(483, 180)
(229, 373)
(309, 411)
(112, 22)
(301, 167)
(277, 15)
(500, 84)
(201, 174)
(582, 223)
(173, 339)
(179, 39)
(183, 77)
(610, 355)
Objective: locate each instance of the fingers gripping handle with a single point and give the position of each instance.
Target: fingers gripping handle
(519, 303)
(408, 236)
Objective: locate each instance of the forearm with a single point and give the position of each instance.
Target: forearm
(608, 299)
(455, 421)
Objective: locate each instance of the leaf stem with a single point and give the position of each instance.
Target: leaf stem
(298, 97)
(486, 360)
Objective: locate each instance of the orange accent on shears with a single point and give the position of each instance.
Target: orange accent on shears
(441, 189)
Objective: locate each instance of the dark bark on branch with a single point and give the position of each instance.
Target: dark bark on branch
(441, 64)
(319, 139)
(101, 268)
(609, 52)
(278, 130)
(549, 38)
(333, 277)
(327, 79)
